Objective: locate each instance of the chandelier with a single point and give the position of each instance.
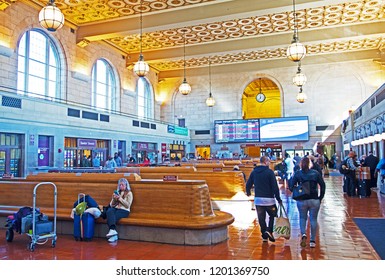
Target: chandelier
(296, 51)
(50, 17)
(184, 88)
(210, 101)
(141, 67)
(301, 96)
(299, 79)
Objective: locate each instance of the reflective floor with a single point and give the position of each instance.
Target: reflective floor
(338, 237)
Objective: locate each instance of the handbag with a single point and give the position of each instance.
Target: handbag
(104, 212)
(282, 226)
(302, 191)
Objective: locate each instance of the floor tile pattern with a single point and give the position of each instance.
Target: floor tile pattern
(338, 237)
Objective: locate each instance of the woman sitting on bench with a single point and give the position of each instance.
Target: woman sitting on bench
(119, 207)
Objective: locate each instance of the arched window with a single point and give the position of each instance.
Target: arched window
(103, 85)
(39, 70)
(145, 98)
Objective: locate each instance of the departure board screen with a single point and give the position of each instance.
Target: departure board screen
(284, 129)
(236, 131)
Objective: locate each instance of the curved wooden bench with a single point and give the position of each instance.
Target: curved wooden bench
(156, 169)
(169, 212)
(222, 185)
(82, 177)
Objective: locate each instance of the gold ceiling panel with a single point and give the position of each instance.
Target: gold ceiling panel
(90, 11)
(363, 11)
(312, 49)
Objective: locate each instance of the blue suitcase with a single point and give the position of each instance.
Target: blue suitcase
(84, 227)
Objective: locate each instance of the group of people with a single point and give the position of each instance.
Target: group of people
(266, 192)
(351, 168)
(111, 162)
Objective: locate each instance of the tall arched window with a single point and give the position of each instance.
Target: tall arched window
(38, 71)
(145, 98)
(103, 85)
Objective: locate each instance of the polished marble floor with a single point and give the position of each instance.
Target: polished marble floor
(338, 237)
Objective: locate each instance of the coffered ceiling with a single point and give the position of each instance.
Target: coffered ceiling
(236, 35)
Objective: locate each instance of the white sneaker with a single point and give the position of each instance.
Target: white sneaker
(312, 244)
(112, 232)
(113, 238)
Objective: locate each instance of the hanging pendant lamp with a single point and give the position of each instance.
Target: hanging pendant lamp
(141, 67)
(296, 51)
(299, 79)
(50, 17)
(184, 88)
(301, 96)
(210, 101)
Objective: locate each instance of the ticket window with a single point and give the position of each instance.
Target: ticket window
(252, 151)
(203, 152)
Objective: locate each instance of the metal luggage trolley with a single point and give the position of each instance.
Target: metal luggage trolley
(35, 238)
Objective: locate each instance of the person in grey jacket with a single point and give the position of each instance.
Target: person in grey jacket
(266, 191)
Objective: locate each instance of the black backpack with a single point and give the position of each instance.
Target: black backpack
(343, 171)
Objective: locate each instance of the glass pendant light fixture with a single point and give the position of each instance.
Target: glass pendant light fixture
(184, 88)
(296, 51)
(301, 96)
(50, 17)
(141, 67)
(299, 79)
(210, 101)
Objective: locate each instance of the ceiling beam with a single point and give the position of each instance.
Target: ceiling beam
(188, 15)
(273, 63)
(277, 40)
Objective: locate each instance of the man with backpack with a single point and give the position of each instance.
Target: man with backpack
(352, 182)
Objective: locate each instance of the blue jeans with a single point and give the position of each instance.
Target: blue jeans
(114, 215)
(312, 207)
(271, 210)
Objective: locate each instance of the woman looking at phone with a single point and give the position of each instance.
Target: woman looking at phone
(119, 207)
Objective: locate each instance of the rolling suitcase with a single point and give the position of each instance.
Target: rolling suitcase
(84, 227)
(84, 224)
(362, 188)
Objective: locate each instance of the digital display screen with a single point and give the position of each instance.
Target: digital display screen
(284, 129)
(236, 131)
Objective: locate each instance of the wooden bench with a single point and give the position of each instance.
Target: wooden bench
(168, 212)
(222, 185)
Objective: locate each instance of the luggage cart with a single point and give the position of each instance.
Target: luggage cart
(43, 238)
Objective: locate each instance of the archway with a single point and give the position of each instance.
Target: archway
(261, 99)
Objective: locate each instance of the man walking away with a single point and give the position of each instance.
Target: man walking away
(265, 193)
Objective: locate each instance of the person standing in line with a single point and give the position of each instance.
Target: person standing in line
(110, 163)
(118, 159)
(311, 205)
(371, 161)
(352, 165)
(266, 191)
(96, 161)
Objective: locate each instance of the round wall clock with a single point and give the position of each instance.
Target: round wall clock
(260, 97)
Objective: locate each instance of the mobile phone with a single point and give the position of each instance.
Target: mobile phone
(116, 192)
